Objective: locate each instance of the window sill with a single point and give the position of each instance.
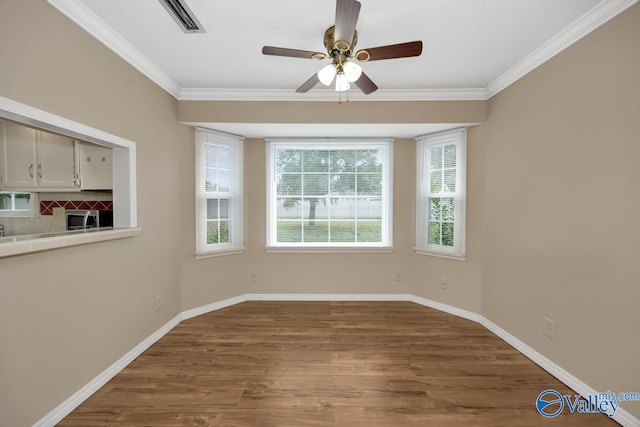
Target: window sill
(19, 245)
(221, 253)
(331, 250)
(438, 255)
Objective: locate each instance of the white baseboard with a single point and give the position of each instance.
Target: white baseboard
(625, 419)
(465, 314)
(327, 297)
(85, 392)
(212, 307)
(622, 416)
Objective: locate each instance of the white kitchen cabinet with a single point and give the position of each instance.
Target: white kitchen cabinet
(56, 161)
(36, 160)
(96, 167)
(18, 155)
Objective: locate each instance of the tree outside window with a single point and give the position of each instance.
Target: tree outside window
(331, 195)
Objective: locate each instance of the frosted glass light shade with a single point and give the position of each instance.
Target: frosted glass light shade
(326, 74)
(352, 70)
(342, 83)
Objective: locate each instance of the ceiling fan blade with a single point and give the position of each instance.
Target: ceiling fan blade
(347, 12)
(365, 84)
(294, 53)
(306, 86)
(401, 50)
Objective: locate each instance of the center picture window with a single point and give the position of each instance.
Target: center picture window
(330, 193)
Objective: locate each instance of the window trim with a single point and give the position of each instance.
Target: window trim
(386, 144)
(32, 212)
(236, 194)
(423, 143)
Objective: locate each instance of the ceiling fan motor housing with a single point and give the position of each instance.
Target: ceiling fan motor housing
(339, 50)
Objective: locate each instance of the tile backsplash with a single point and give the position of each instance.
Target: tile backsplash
(51, 218)
(47, 206)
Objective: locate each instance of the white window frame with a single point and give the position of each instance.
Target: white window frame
(235, 194)
(383, 144)
(32, 212)
(423, 175)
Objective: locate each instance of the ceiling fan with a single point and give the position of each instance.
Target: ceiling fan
(340, 41)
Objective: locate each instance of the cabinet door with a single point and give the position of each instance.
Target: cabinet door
(18, 155)
(96, 167)
(56, 161)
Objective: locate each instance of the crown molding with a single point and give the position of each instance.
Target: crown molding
(600, 14)
(196, 94)
(92, 24)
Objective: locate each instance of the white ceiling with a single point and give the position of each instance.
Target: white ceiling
(472, 48)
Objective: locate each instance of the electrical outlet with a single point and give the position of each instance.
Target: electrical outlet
(158, 302)
(549, 328)
(397, 277)
(444, 284)
(253, 276)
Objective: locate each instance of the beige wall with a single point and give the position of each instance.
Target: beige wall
(333, 112)
(66, 315)
(562, 207)
(567, 126)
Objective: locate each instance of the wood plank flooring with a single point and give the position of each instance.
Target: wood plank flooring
(327, 364)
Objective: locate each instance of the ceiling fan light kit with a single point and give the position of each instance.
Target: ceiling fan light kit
(349, 72)
(327, 74)
(342, 83)
(340, 41)
(352, 70)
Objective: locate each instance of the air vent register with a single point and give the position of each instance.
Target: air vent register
(181, 13)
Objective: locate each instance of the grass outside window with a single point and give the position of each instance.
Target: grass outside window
(336, 231)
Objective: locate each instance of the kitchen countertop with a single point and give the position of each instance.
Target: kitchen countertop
(28, 243)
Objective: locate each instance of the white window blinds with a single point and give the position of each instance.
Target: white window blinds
(219, 195)
(441, 196)
(329, 193)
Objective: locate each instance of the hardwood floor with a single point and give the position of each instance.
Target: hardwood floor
(327, 364)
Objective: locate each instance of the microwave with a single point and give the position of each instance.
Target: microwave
(83, 219)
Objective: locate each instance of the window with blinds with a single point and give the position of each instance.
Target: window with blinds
(441, 198)
(329, 193)
(219, 198)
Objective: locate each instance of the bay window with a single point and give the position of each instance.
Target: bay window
(219, 195)
(441, 194)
